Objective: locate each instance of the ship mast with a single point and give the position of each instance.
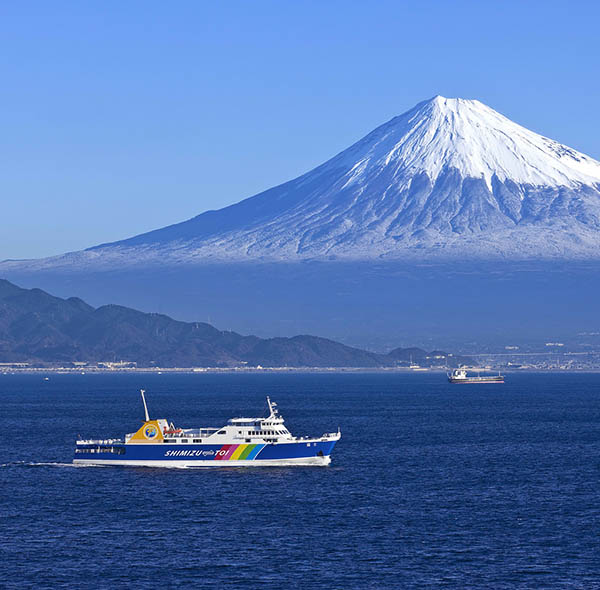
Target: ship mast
(272, 408)
(142, 391)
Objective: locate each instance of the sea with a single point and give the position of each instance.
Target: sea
(432, 485)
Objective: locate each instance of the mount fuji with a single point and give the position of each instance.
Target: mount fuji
(450, 178)
(450, 210)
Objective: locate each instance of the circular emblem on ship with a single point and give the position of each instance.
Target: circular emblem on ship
(150, 431)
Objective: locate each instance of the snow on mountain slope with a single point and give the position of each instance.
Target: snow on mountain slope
(475, 140)
(449, 178)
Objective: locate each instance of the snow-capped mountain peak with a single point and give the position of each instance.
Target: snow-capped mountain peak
(450, 178)
(479, 142)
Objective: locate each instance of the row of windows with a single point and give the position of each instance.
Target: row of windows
(254, 433)
(263, 432)
(114, 450)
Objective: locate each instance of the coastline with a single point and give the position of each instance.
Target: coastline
(262, 370)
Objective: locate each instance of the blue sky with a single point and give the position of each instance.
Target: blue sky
(120, 117)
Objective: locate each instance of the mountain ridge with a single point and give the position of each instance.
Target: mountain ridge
(40, 328)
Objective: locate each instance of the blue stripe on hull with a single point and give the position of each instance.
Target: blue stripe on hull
(205, 453)
(295, 450)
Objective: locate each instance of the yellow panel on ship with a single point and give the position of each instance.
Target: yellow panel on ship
(149, 433)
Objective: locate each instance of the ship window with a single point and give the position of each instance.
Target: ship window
(248, 440)
(169, 440)
(221, 432)
(197, 440)
(184, 440)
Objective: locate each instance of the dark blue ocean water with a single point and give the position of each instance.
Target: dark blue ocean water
(431, 486)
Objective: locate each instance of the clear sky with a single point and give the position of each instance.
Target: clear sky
(120, 117)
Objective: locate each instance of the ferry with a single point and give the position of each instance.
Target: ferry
(242, 442)
(461, 376)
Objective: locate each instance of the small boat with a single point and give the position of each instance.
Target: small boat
(461, 376)
(241, 442)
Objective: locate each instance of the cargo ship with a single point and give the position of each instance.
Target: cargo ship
(461, 376)
(242, 442)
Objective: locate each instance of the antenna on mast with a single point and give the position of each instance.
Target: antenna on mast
(142, 391)
(272, 407)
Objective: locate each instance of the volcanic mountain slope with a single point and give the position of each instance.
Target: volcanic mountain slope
(450, 177)
(37, 327)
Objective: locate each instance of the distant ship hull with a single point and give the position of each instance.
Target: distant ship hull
(496, 379)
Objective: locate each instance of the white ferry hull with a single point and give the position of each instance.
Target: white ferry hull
(306, 461)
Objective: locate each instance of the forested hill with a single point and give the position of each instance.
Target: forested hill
(40, 328)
